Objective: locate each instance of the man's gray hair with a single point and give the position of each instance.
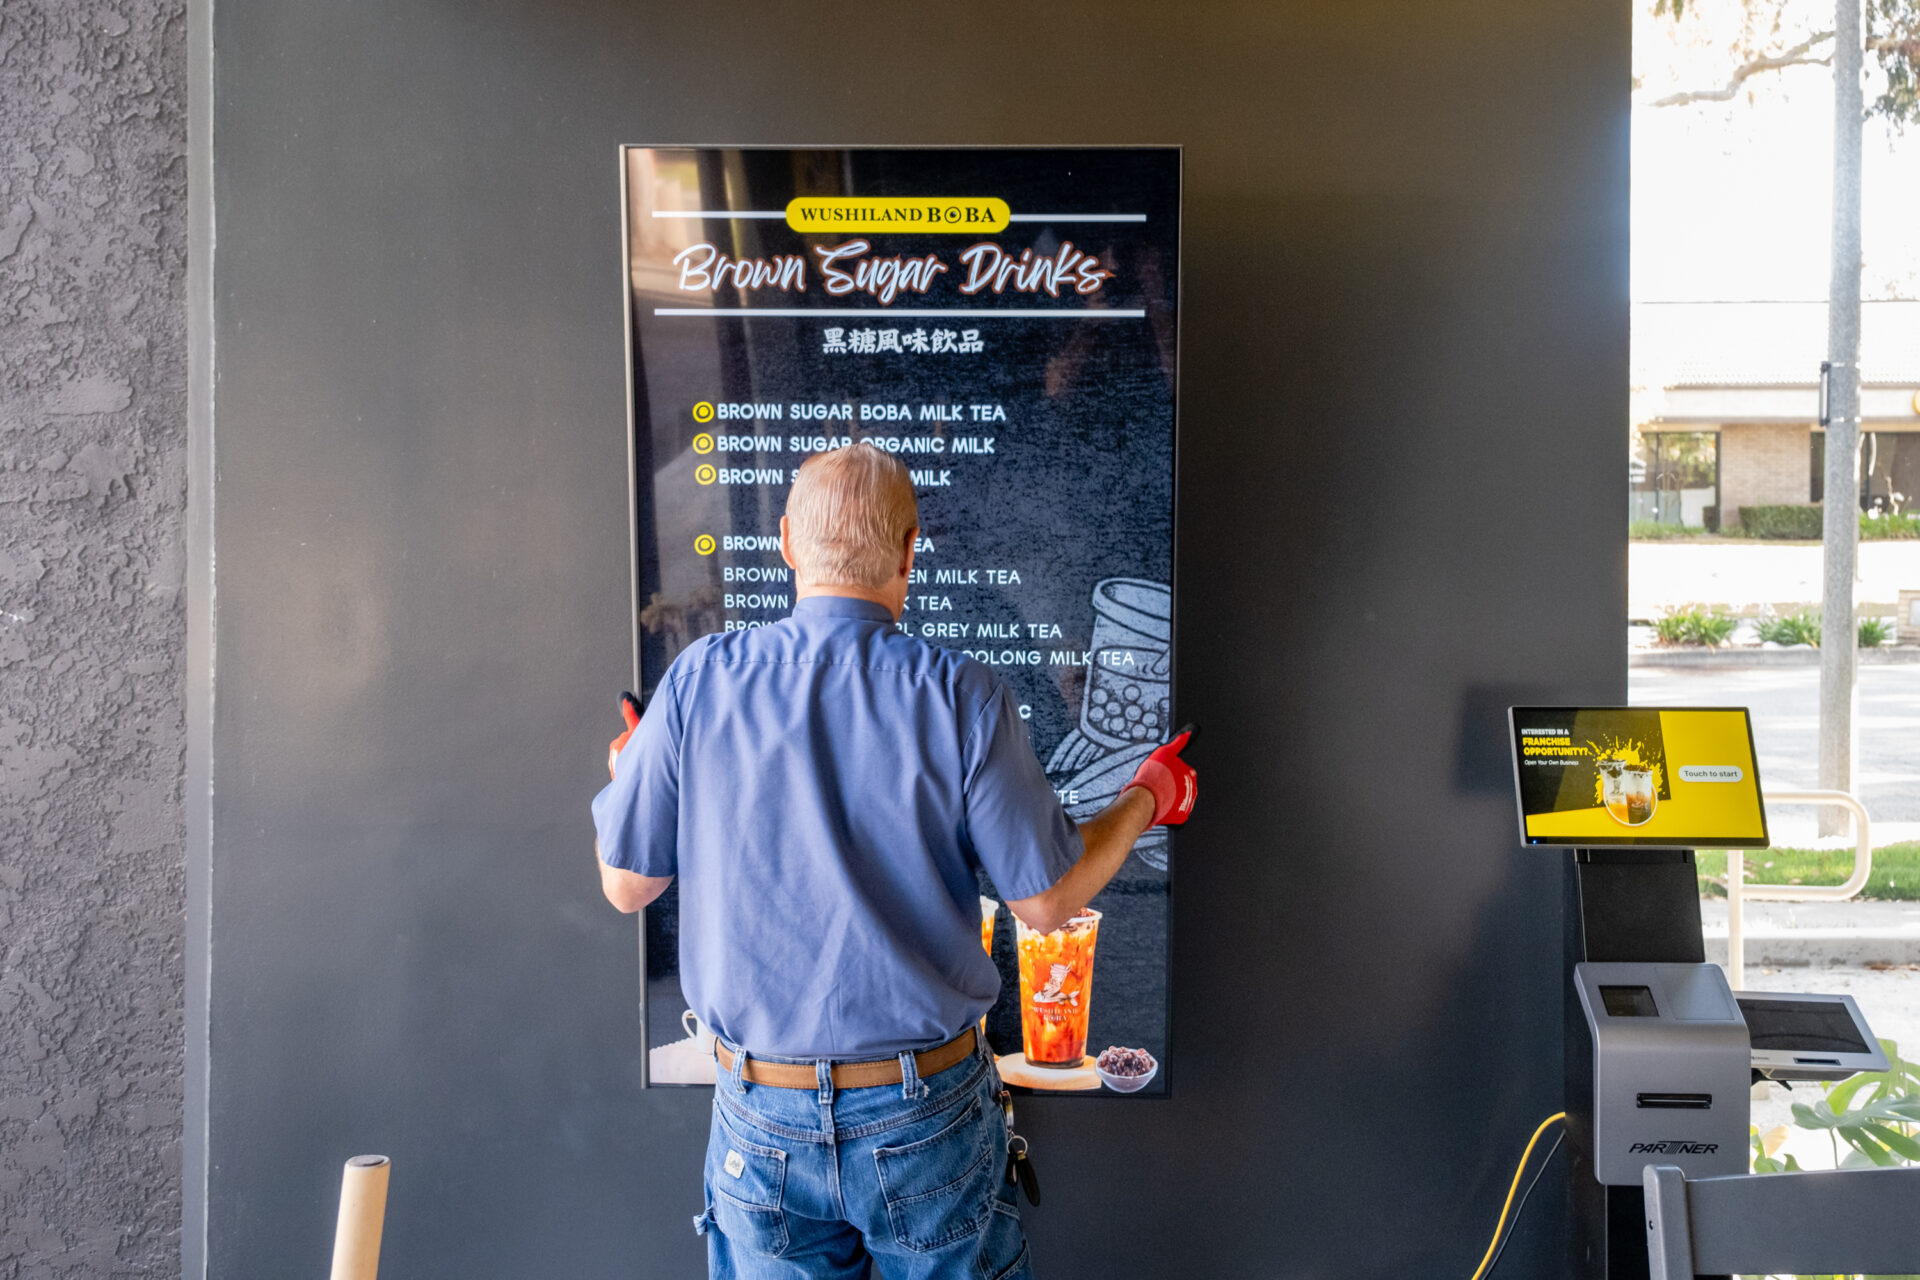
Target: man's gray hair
(848, 515)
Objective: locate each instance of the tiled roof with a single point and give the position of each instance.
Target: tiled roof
(1765, 344)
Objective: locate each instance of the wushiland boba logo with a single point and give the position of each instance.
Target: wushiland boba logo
(1628, 778)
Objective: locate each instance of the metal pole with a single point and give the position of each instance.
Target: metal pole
(363, 1214)
(1840, 524)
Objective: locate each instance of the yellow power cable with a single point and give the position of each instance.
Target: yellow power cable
(1507, 1208)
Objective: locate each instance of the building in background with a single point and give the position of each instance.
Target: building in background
(1725, 408)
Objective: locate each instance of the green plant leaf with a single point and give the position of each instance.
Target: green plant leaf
(1895, 1110)
(1895, 1141)
(1898, 1068)
(1867, 1147)
(1841, 1094)
(1762, 1162)
(1817, 1116)
(1903, 1109)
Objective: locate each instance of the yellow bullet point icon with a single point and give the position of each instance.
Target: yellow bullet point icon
(703, 443)
(703, 412)
(704, 544)
(705, 474)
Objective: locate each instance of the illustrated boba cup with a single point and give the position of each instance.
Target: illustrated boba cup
(1129, 690)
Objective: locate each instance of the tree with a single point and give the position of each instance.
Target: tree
(1891, 32)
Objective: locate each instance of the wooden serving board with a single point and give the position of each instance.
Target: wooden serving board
(1015, 1069)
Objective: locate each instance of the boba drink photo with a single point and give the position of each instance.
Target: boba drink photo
(1056, 991)
(989, 908)
(1628, 793)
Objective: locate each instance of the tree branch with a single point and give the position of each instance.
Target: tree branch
(1794, 57)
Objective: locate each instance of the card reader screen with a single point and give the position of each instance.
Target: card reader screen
(1802, 1026)
(1677, 777)
(1628, 1002)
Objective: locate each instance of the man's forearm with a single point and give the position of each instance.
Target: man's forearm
(1107, 837)
(627, 890)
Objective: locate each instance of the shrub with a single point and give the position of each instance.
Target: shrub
(1802, 627)
(1656, 531)
(1713, 629)
(1800, 521)
(1695, 624)
(1901, 526)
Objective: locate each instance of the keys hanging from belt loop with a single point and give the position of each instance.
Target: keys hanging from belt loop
(1019, 1167)
(1020, 1170)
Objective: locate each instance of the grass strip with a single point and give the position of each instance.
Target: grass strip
(1895, 876)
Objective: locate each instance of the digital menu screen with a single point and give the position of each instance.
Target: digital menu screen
(1004, 321)
(1682, 777)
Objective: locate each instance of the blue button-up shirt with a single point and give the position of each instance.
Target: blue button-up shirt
(825, 788)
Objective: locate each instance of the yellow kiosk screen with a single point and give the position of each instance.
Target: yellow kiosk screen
(1679, 777)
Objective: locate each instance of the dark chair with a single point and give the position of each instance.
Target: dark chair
(1850, 1220)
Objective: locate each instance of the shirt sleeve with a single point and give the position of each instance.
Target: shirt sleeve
(1015, 823)
(637, 815)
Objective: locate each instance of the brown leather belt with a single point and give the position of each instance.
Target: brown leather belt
(848, 1075)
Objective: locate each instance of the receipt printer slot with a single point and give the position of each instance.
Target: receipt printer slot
(1675, 1101)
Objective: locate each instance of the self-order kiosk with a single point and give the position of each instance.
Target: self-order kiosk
(1660, 1053)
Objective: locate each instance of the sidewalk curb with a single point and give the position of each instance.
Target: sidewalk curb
(1898, 655)
(1804, 947)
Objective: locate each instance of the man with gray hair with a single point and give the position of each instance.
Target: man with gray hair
(826, 789)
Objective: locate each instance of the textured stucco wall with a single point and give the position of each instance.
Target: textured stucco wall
(92, 631)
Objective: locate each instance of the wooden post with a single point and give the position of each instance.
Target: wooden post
(363, 1212)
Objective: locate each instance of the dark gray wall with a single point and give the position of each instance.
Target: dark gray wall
(1405, 338)
(92, 630)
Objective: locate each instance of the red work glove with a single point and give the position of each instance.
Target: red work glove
(630, 712)
(1170, 780)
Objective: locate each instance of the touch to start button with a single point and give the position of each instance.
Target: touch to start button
(1711, 773)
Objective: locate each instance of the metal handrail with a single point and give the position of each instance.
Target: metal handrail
(1738, 891)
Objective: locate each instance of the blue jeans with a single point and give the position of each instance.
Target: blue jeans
(814, 1182)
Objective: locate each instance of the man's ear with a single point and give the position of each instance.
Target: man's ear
(906, 552)
(786, 546)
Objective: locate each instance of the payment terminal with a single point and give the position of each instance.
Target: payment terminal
(1670, 1070)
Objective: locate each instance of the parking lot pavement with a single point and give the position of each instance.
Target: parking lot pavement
(1744, 575)
(1785, 702)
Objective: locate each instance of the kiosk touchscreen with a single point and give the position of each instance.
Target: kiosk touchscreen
(1668, 777)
